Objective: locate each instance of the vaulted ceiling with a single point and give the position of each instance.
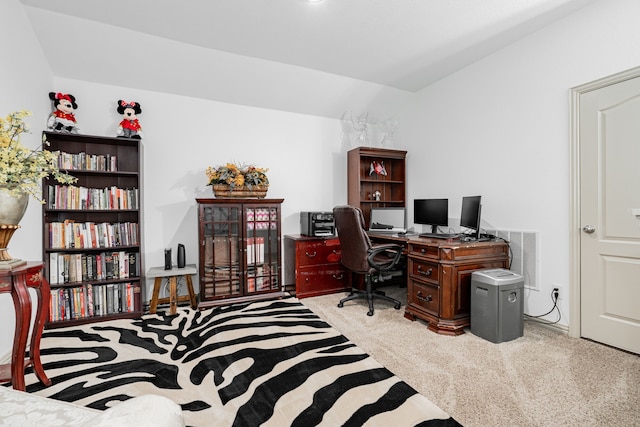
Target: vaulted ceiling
(402, 45)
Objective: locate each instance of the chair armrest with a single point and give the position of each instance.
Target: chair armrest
(395, 252)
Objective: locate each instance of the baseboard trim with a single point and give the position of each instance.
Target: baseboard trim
(553, 326)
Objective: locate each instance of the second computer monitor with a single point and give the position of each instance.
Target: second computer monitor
(470, 215)
(433, 212)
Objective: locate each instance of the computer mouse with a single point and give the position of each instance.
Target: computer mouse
(467, 239)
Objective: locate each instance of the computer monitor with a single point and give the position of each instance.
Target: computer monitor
(470, 215)
(433, 212)
(392, 220)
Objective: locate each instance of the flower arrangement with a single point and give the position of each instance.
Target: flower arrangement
(22, 169)
(238, 175)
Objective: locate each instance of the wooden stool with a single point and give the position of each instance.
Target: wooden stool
(159, 273)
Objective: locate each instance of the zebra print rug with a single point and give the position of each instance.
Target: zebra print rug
(271, 363)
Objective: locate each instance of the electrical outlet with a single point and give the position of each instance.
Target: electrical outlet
(560, 289)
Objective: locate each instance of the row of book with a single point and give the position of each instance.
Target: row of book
(71, 268)
(262, 214)
(86, 235)
(262, 219)
(84, 198)
(84, 161)
(255, 250)
(91, 300)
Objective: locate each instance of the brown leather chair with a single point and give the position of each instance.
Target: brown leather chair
(360, 256)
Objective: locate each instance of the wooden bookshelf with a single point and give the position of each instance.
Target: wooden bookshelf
(92, 239)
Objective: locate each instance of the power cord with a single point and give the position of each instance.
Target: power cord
(495, 236)
(555, 294)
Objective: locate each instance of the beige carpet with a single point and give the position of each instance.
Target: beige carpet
(544, 378)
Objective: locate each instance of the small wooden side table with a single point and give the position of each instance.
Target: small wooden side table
(17, 281)
(159, 273)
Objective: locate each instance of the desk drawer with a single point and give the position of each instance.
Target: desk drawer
(424, 250)
(316, 252)
(425, 296)
(321, 280)
(424, 270)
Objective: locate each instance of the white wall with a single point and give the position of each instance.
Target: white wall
(25, 81)
(500, 128)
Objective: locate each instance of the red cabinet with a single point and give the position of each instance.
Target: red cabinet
(312, 266)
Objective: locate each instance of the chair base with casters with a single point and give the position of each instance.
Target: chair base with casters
(370, 295)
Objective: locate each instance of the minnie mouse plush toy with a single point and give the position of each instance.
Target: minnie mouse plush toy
(62, 119)
(129, 127)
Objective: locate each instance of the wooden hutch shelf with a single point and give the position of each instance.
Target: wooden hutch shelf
(364, 182)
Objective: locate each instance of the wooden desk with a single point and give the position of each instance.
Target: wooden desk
(17, 281)
(159, 273)
(439, 279)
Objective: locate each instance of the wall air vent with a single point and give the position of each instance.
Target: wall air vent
(524, 254)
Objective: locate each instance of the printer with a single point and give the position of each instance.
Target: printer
(317, 224)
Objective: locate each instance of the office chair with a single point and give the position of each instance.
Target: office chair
(360, 256)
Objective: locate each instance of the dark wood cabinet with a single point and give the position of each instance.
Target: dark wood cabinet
(92, 239)
(439, 279)
(376, 178)
(313, 267)
(240, 252)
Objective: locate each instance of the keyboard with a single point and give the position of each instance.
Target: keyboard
(440, 235)
(387, 230)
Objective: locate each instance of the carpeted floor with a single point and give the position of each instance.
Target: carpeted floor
(544, 378)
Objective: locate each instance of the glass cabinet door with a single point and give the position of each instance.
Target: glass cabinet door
(262, 248)
(221, 231)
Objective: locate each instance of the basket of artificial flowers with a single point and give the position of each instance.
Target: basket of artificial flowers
(233, 180)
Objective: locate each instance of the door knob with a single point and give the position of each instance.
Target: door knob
(589, 229)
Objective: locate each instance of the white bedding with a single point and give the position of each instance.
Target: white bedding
(21, 409)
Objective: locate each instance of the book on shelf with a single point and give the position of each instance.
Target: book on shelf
(133, 265)
(67, 304)
(53, 268)
(83, 198)
(108, 264)
(82, 267)
(255, 250)
(89, 235)
(110, 289)
(89, 300)
(89, 162)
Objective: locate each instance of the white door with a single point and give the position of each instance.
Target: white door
(609, 132)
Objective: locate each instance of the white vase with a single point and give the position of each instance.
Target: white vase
(12, 209)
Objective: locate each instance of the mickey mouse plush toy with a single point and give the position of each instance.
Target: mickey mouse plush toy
(129, 127)
(62, 119)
